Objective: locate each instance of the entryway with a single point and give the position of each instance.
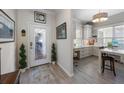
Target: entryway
(37, 45)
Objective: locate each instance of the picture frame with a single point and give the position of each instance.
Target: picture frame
(61, 32)
(7, 28)
(39, 17)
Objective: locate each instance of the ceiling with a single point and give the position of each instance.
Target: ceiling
(85, 15)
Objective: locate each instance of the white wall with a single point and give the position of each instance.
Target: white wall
(77, 25)
(8, 63)
(65, 46)
(25, 18)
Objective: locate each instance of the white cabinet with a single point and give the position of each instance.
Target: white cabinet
(96, 51)
(88, 51)
(79, 31)
(78, 34)
(87, 31)
(85, 52)
(94, 32)
(122, 58)
(82, 53)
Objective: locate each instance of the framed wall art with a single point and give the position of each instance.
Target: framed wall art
(39, 17)
(7, 28)
(61, 32)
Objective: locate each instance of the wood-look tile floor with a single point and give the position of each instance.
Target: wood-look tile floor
(87, 72)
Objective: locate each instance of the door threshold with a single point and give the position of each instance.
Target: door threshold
(40, 65)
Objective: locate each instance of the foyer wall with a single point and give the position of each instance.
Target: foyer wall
(65, 46)
(25, 18)
(8, 50)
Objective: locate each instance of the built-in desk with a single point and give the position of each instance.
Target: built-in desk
(113, 51)
(116, 52)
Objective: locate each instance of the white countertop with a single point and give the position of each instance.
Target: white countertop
(86, 46)
(113, 51)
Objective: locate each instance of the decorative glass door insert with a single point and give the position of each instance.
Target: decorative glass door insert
(40, 44)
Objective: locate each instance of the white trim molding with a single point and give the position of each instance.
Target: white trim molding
(69, 74)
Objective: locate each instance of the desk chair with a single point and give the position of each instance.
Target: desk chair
(111, 67)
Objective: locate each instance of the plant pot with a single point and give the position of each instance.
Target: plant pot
(23, 70)
(53, 62)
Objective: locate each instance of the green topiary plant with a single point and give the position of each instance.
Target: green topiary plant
(22, 60)
(53, 53)
(109, 45)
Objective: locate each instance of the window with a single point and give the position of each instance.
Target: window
(115, 35)
(105, 35)
(119, 31)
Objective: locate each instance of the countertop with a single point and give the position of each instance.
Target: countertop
(86, 46)
(113, 51)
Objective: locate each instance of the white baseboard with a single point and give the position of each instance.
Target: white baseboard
(69, 74)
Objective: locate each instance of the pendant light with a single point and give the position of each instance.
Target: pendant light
(100, 17)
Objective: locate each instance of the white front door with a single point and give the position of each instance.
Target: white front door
(38, 45)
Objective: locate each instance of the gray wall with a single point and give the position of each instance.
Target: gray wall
(8, 50)
(65, 46)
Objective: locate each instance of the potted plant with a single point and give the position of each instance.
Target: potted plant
(22, 60)
(109, 45)
(53, 54)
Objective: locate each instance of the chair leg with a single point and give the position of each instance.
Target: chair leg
(114, 69)
(103, 66)
(111, 68)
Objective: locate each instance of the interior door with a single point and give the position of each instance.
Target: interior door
(38, 45)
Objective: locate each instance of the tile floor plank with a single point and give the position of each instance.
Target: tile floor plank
(87, 72)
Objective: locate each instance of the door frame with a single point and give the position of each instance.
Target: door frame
(28, 36)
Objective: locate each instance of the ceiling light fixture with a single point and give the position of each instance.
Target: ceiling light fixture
(100, 17)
